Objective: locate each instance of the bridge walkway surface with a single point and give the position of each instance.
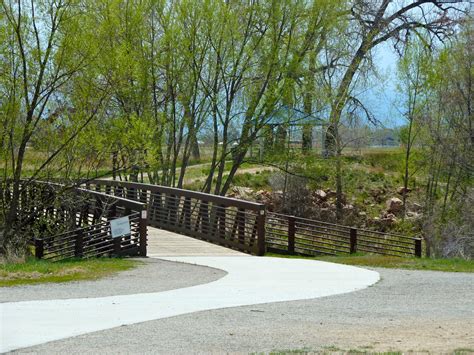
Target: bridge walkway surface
(162, 243)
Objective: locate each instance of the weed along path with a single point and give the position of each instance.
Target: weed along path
(249, 281)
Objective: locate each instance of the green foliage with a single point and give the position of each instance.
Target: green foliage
(145, 81)
(388, 160)
(257, 180)
(446, 265)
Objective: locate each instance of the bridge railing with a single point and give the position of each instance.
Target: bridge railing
(290, 234)
(75, 222)
(226, 221)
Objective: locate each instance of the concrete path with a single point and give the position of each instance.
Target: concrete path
(250, 280)
(151, 275)
(406, 312)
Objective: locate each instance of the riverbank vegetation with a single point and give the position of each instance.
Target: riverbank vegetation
(269, 95)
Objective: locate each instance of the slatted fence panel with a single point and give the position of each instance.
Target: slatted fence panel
(78, 221)
(226, 221)
(290, 234)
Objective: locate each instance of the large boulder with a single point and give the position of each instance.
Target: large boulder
(244, 193)
(378, 194)
(328, 214)
(321, 195)
(263, 196)
(388, 219)
(413, 215)
(330, 193)
(348, 208)
(384, 221)
(401, 190)
(394, 205)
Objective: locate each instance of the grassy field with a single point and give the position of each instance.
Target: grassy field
(447, 265)
(35, 271)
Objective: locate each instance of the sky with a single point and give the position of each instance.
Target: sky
(383, 99)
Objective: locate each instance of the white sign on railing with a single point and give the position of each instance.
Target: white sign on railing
(120, 227)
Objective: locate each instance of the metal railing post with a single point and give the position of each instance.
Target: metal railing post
(353, 240)
(222, 217)
(418, 247)
(39, 248)
(261, 232)
(241, 225)
(79, 245)
(142, 228)
(117, 245)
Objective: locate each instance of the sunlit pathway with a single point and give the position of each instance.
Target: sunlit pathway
(250, 280)
(163, 243)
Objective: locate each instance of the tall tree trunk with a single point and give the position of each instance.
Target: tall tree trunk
(188, 117)
(268, 140)
(339, 187)
(11, 215)
(406, 175)
(307, 139)
(195, 152)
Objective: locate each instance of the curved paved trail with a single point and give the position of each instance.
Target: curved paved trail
(154, 275)
(420, 311)
(249, 281)
(406, 311)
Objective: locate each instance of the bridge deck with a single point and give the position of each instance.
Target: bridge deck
(164, 243)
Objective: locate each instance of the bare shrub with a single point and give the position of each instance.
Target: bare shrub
(292, 194)
(48, 210)
(450, 234)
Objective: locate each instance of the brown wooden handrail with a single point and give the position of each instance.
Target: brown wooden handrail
(184, 193)
(234, 223)
(222, 220)
(90, 230)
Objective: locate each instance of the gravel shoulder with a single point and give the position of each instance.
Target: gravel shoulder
(153, 276)
(405, 311)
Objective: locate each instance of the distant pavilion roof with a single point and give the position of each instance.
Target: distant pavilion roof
(293, 117)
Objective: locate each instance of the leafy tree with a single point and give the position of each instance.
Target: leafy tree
(412, 83)
(450, 141)
(370, 24)
(39, 58)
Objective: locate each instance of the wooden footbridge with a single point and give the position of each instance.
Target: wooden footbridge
(162, 220)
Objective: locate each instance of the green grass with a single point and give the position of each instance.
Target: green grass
(258, 180)
(448, 265)
(40, 271)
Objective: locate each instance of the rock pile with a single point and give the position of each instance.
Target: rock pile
(394, 205)
(321, 204)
